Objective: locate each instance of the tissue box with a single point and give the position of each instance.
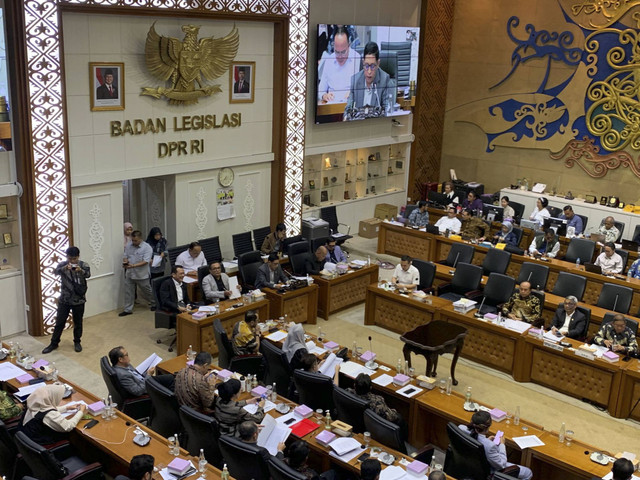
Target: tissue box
(303, 411)
(610, 356)
(417, 468)
(490, 316)
(179, 466)
(464, 305)
(331, 346)
(199, 315)
(426, 382)
(259, 391)
(325, 437)
(96, 408)
(498, 415)
(401, 380)
(341, 428)
(224, 375)
(368, 356)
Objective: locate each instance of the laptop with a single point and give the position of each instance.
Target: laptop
(593, 268)
(432, 229)
(630, 245)
(529, 224)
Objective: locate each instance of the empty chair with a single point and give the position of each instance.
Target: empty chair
(329, 215)
(496, 261)
(211, 249)
(202, 432)
(465, 457)
(259, 234)
(350, 408)
(518, 233)
(315, 390)
(615, 297)
(225, 349)
(570, 284)
(242, 243)
(243, 460)
(631, 323)
(384, 431)
(163, 318)
(279, 470)
(427, 273)
(518, 209)
(466, 279)
(298, 252)
(248, 364)
(173, 252)
(45, 466)
(164, 418)
(498, 290)
(459, 253)
(278, 367)
(554, 211)
(580, 248)
(248, 265)
(535, 274)
(135, 407)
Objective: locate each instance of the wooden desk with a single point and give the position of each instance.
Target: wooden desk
(299, 305)
(398, 313)
(199, 333)
(344, 291)
(629, 390)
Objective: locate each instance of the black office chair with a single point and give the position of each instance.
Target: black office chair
(384, 431)
(18, 468)
(518, 209)
(225, 349)
(631, 323)
(248, 265)
(465, 457)
(164, 418)
(570, 284)
(535, 274)
(403, 52)
(408, 209)
(518, 233)
(318, 242)
(202, 432)
(44, 464)
(248, 364)
(350, 408)
(298, 252)
(554, 211)
(619, 225)
(243, 460)
(259, 234)
(580, 248)
(615, 297)
(242, 243)
(624, 254)
(278, 367)
(459, 253)
(496, 261)
(329, 215)
(314, 389)
(163, 318)
(585, 219)
(211, 249)
(135, 407)
(497, 291)
(466, 279)
(279, 470)
(427, 273)
(173, 253)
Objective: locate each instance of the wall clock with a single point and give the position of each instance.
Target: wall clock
(225, 176)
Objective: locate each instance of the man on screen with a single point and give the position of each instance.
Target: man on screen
(371, 86)
(338, 69)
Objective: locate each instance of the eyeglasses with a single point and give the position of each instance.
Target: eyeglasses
(370, 66)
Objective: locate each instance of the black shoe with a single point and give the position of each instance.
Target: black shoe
(124, 314)
(77, 347)
(153, 309)
(50, 348)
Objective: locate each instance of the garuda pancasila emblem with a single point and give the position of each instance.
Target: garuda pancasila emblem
(188, 64)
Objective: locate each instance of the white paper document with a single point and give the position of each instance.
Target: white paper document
(410, 391)
(188, 279)
(289, 419)
(343, 445)
(150, 362)
(552, 337)
(277, 336)
(328, 367)
(361, 263)
(516, 325)
(271, 434)
(233, 286)
(383, 380)
(9, 371)
(157, 260)
(207, 308)
(24, 392)
(528, 441)
(353, 369)
(393, 472)
(347, 457)
(313, 348)
(252, 408)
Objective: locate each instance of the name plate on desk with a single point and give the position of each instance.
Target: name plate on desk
(585, 354)
(553, 345)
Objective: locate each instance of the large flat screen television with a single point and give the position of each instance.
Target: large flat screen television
(365, 72)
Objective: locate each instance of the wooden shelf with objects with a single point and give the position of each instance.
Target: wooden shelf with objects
(365, 171)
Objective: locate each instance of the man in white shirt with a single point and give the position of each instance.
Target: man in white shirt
(406, 275)
(569, 321)
(450, 222)
(609, 230)
(192, 259)
(609, 260)
(338, 69)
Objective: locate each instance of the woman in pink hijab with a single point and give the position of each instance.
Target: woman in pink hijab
(128, 228)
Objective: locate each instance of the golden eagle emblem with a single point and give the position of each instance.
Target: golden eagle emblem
(188, 63)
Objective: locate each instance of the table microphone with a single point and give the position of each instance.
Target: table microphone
(371, 363)
(478, 314)
(455, 262)
(615, 303)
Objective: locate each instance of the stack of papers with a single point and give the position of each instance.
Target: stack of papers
(277, 336)
(552, 337)
(383, 380)
(23, 393)
(516, 325)
(344, 445)
(328, 367)
(361, 263)
(9, 371)
(314, 349)
(353, 369)
(528, 441)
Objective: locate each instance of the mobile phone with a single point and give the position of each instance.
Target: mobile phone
(498, 437)
(90, 424)
(626, 358)
(363, 457)
(410, 391)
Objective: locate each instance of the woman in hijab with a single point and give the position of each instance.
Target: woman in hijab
(128, 230)
(506, 235)
(160, 247)
(44, 422)
(294, 346)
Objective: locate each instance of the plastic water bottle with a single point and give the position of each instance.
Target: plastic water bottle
(448, 387)
(578, 263)
(368, 260)
(274, 394)
(327, 420)
(202, 463)
(225, 473)
(190, 355)
(176, 446)
(562, 433)
(406, 367)
(516, 416)
(399, 367)
(467, 397)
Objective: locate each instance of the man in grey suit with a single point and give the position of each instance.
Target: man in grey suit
(132, 381)
(216, 285)
(371, 86)
(270, 274)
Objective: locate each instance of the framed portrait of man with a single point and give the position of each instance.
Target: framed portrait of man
(242, 82)
(106, 86)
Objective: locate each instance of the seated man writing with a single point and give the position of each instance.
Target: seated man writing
(569, 321)
(547, 244)
(523, 305)
(406, 276)
(609, 260)
(246, 334)
(617, 337)
(472, 227)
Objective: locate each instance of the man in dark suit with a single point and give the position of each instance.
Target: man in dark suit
(569, 321)
(270, 274)
(248, 433)
(241, 86)
(107, 90)
(314, 263)
(173, 292)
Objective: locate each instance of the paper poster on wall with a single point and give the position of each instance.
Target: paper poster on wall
(225, 204)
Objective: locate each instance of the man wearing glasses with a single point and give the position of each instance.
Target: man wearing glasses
(371, 86)
(338, 69)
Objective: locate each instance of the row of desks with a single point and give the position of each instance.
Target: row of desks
(525, 358)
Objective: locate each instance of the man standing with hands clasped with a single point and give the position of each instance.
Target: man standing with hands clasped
(137, 257)
(73, 277)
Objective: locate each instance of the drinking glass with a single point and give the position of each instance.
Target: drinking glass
(509, 416)
(202, 468)
(437, 467)
(172, 444)
(443, 385)
(412, 372)
(568, 437)
(367, 439)
(112, 410)
(525, 429)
